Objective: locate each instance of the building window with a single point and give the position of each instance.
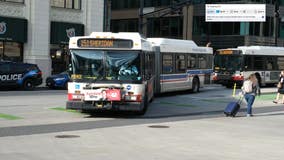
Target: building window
(70, 4)
(124, 25)
(11, 51)
(268, 27)
(168, 27)
(14, 1)
(254, 28)
(124, 4)
(160, 3)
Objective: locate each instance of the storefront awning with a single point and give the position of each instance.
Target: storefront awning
(13, 29)
(61, 32)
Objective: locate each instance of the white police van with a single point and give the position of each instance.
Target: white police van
(15, 74)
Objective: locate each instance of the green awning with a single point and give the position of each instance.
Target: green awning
(61, 32)
(13, 29)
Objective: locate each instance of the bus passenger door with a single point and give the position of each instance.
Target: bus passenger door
(271, 70)
(149, 65)
(272, 76)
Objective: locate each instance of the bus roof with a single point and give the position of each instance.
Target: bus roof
(159, 41)
(259, 50)
(177, 45)
(139, 42)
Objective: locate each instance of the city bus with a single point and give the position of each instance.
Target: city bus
(123, 71)
(232, 65)
(111, 71)
(181, 65)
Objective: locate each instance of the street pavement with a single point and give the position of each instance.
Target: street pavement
(181, 126)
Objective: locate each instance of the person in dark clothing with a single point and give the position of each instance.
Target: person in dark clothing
(280, 87)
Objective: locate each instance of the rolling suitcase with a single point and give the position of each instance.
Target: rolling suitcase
(233, 108)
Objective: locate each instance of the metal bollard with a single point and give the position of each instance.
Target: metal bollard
(234, 90)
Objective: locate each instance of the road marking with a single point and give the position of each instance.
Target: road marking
(215, 100)
(177, 104)
(65, 110)
(268, 96)
(9, 117)
(265, 97)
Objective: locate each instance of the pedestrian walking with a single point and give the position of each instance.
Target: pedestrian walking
(280, 87)
(250, 89)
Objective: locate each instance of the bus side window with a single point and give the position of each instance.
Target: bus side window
(191, 61)
(167, 63)
(202, 61)
(271, 63)
(248, 62)
(259, 62)
(180, 63)
(280, 63)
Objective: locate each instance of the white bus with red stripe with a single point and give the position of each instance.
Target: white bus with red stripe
(232, 65)
(111, 71)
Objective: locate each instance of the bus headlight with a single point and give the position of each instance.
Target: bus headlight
(136, 98)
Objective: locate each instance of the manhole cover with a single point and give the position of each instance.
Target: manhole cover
(67, 136)
(158, 126)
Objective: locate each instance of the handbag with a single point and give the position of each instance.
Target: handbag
(279, 85)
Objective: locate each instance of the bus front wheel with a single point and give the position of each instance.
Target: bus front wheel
(145, 105)
(195, 85)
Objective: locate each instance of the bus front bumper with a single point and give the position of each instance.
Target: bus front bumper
(125, 106)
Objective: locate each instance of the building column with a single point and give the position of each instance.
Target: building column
(93, 14)
(261, 29)
(187, 21)
(36, 50)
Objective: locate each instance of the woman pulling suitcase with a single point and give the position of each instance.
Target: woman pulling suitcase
(250, 89)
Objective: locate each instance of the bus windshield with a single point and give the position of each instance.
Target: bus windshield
(105, 65)
(227, 63)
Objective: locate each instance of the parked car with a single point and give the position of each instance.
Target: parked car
(18, 74)
(58, 80)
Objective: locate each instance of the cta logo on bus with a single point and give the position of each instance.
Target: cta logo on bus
(128, 87)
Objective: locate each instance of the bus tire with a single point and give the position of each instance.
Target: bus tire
(195, 85)
(28, 84)
(145, 106)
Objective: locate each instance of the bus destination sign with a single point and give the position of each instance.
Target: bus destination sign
(226, 52)
(104, 43)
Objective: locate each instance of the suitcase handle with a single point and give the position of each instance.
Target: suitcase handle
(240, 100)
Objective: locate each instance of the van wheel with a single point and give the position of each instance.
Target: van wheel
(195, 85)
(28, 84)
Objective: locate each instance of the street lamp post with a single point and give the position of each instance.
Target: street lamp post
(140, 28)
(276, 16)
